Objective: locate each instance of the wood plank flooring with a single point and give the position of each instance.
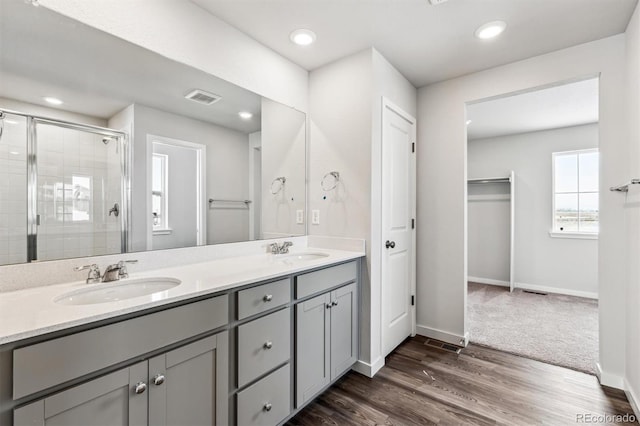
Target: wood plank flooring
(421, 385)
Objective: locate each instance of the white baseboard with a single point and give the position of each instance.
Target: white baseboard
(535, 287)
(489, 281)
(633, 399)
(608, 379)
(444, 336)
(367, 369)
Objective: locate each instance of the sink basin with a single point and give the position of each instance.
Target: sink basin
(301, 257)
(115, 291)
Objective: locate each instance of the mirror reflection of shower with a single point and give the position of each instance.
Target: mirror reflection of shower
(58, 175)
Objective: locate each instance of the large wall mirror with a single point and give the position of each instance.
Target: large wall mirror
(106, 147)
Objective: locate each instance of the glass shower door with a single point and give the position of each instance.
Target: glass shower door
(13, 189)
(79, 191)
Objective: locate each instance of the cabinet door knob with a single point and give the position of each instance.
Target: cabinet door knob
(158, 379)
(334, 303)
(140, 387)
(267, 406)
(390, 244)
(268, 345)
(328, 305)
(268, 297)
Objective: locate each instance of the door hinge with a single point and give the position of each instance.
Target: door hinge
(413, 147)
(413, 224)
(413, 300)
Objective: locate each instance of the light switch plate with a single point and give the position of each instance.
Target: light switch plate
(299, 217)
(315, 217)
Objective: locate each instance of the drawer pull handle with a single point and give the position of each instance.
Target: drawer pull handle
(268, 298)
(158, 379)
(267, 406)
(140, 387)
(268, 345)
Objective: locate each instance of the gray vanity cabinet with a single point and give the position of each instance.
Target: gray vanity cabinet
(188, 385)
(326, 340)
(107, 400)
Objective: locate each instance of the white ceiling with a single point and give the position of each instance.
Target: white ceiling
(46, 54)
(426, 43)
(565, 105)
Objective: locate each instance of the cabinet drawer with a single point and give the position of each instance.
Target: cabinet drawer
(43, 365)
(263, 297)
(318, 281)
(263, 344)
(266, 402)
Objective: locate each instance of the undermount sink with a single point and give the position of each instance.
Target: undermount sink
(117, 290)
(301, 257)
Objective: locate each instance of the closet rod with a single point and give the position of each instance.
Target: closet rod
(490, 180)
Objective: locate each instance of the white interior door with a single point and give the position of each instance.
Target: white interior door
(398, 233)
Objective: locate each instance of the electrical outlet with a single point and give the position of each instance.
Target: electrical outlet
(315, 217)
(299, 217)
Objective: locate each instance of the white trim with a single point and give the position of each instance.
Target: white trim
(202, 204)
(574, 235)
(633, 399)
(367, 369)
(443, 336)
(557, 290)
(489, 281)
(535, 287)
(607, 379)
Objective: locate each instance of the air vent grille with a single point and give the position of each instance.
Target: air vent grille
(202, 97)
(436, 2)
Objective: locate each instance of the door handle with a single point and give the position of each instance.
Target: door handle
(390, 244)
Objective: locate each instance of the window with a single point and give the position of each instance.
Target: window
(159, 203)
(575, 192)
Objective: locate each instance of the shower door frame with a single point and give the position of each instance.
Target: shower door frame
(32, 176)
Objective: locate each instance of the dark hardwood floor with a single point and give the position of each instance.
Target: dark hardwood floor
(423, 385)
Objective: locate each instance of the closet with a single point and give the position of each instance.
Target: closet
(490, 218)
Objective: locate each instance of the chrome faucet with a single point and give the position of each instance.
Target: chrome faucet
(116, 271)
(280, 249)
(94, 273)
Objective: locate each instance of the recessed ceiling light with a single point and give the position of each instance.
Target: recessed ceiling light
(14, 153)
(245, 115)
(53, 101)
(490, 30)
(303, 37)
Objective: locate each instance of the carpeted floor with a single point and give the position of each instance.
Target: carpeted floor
(557, 329)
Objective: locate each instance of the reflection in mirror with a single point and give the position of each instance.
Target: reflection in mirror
(136, 151)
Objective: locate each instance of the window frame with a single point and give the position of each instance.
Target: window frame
(163, 226)
(555, 232)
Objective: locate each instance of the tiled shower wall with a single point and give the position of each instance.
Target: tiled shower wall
(13, 190)
(78, 182)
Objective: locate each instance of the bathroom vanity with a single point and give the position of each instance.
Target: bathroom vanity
(228, 345)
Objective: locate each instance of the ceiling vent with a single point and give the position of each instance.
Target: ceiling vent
(202, 97)
(437, 2)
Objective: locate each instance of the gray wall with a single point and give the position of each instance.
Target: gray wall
(564, 265)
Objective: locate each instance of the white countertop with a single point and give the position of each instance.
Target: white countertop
(33, 312)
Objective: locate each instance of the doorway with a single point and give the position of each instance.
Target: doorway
(532, 222)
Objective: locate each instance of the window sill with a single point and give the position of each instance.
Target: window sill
(166, 231)
(574, 235)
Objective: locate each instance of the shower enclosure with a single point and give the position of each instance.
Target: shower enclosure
(64, 189)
